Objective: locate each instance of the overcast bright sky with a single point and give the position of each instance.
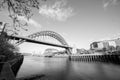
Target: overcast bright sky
(80, 22)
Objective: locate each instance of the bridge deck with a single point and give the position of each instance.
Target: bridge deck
(38, 42)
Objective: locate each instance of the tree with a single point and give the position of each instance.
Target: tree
(19, 8)
(15, 8)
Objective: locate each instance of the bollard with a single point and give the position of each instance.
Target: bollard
(88, 58)
(110, 60)
(107, 58)
(93, 58)
(84, 58)
(81, 58)
(102, 58)
(97, 58)
(76, 58)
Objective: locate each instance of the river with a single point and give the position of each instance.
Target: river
(63, 69)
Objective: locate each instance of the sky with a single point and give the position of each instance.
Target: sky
(79, 22)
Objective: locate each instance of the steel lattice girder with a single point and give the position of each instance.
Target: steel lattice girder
(46, 33)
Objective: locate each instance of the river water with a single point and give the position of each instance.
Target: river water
(63, 69)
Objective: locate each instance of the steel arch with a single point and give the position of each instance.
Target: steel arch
(47, 33)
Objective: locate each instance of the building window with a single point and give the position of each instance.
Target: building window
(112, 43)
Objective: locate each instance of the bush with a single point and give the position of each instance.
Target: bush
(7, 49)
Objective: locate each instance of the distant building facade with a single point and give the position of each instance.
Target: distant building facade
(107, 45)
(82, 51)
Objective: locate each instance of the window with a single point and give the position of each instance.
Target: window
(112, 43)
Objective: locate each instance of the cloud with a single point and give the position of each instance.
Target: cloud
(30, 21)
(110, 2)
(57, 11)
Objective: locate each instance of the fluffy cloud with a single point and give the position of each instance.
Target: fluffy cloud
(30, 21)
(57, 11)
(110, 2)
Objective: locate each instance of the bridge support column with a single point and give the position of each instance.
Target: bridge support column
(69, 52)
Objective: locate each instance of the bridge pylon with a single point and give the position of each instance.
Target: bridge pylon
(69, 51)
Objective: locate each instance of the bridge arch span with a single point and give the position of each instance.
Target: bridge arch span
(52, 34)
